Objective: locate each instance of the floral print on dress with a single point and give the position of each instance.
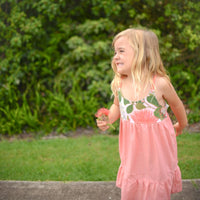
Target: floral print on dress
(146, 110)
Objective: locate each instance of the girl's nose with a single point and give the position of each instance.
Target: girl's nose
(116, 56)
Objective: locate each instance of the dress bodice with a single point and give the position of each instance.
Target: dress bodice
(146, 110)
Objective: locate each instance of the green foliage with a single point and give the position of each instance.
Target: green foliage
(55, 57)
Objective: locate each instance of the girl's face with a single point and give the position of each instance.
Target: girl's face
(123, 56)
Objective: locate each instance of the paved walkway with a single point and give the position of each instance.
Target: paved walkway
(28, 190)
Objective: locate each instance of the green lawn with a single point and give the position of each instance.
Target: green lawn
(93, 158)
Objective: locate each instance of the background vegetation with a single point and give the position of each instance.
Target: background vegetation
(55, 57)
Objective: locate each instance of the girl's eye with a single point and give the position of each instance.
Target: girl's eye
(120, 51)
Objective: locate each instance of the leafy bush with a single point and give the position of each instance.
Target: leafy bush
(55, 57)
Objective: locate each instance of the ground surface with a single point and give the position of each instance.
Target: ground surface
(27, 190)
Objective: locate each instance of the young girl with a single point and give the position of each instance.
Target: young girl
(147, 139)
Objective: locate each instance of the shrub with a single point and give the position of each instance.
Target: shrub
(55, 57)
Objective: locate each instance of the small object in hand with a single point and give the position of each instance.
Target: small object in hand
(102, 115)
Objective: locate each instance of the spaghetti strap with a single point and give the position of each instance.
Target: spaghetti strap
(154, 79)
(154, 83)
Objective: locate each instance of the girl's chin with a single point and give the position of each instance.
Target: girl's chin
(122, 73)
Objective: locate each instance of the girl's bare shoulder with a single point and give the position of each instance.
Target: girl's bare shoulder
(167, 91)
(162, 83)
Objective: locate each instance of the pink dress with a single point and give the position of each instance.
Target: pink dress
(148, 151)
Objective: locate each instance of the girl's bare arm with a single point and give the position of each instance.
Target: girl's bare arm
(169, 93)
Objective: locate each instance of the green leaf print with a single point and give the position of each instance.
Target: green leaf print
(126, 102)
(140, 105)
(119, 96)
(152, 99)
(158, 113)
(129, 109)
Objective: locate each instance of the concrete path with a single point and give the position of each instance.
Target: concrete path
(28, 190)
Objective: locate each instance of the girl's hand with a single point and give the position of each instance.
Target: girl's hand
(178, 129)
(102, 125)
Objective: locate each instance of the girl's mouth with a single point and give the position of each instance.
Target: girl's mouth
(119, 64)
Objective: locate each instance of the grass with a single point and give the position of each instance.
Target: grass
(93, 158)
(83, 158)
(189, 155)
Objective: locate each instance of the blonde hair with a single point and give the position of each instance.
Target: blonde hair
(146, 62)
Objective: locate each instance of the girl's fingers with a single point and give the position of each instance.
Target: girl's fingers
(102, 125)
(177, 128)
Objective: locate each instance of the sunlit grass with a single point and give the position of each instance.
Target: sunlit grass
(93, 158)
(83, 158)
(189, 155)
